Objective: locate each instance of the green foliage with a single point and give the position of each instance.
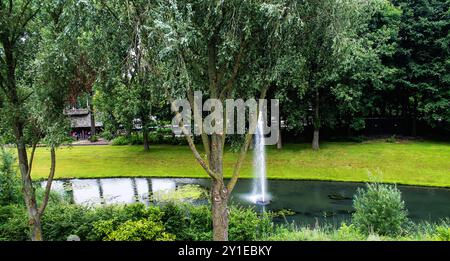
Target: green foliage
(107, 135)
(154, 138)
(188, 223)
(10, 192)
(443, 233)
(13, 223)
(246, 224)
(349, 233)
(120, 141)
(379, 209)
(183, 222)
(93, 138)
(140, 230)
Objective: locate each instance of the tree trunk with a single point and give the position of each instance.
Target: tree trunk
(414, 121)
(279, 142)
(146, 142)
(219, 199)
(27, 186)
(315, 142)
(145, 133)
(18, 125)
(219, 192)
(91, 112)
(36, 230)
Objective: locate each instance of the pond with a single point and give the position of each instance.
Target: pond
(312, 201)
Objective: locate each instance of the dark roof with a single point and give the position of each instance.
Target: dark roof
(74, 112)
(81, 118)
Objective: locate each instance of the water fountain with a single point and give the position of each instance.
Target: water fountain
(259, 194)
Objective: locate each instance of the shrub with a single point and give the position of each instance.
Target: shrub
(140, 230)
(246, 224)
(192, 223)
(442, 233)
(155, 138)
(13, 223)
(379, 209)
(349, 233)
(120, 141)
(93, 138)
(187, 222)
(9, 180)
(107, 135)
(137, 139)
(61, 220)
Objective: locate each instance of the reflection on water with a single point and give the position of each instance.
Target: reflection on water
(312, 201)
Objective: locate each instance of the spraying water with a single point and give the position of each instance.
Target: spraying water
(259, 193)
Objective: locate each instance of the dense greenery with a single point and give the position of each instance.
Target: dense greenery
(183, 222)
(345, 66)
(9, 181)
(132, 222)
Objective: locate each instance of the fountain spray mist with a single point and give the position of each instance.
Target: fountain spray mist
(259, 193)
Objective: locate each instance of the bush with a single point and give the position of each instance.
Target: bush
(379, 209)
(193, 223)
(137, 139)
(442, 233)
(120, 141)
(245, 224)
(187, 222)
(61, 220)
(140, 230)
(93, 138)
(107, 135)
(13, 223)
(9, 180)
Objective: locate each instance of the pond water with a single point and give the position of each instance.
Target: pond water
(312, 201)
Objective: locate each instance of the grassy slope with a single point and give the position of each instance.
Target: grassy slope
(419, 163)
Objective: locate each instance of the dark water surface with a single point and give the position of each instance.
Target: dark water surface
(312, 201)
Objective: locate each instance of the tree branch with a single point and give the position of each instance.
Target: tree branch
(24, 24)
(49, 182)
(30, 164)
(228, 86)
(194, 150)
(244, 148)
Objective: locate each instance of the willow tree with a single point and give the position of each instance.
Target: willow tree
(129, 77)
(226, 49)
(33, 84)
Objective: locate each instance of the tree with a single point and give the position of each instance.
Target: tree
(32, 49)
(131, 63)
(225, 49)
(327, 29)
(423, 59)
(368, 71)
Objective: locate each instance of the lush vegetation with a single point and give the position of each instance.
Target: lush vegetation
(380, 210)
(344, 66)
(405, 162)
(176, 221)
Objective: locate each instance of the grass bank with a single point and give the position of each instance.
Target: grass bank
(408, 162)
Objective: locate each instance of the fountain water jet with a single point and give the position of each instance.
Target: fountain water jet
(259, 194)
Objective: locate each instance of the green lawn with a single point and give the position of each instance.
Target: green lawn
(408, 162)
